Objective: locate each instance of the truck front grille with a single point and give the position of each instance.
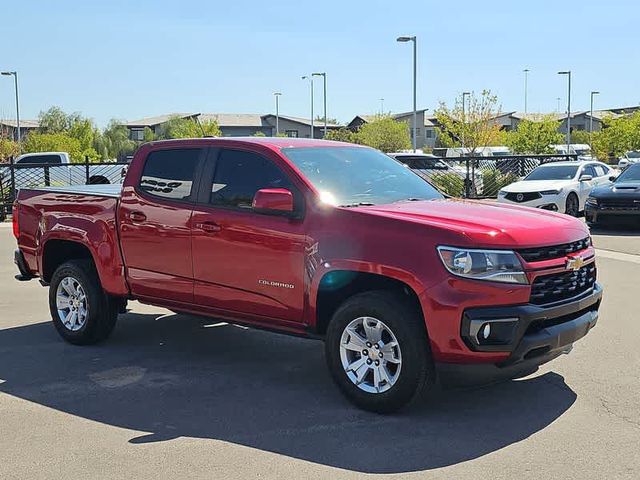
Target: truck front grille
(561, 286)
(620, 204)
(555, 251)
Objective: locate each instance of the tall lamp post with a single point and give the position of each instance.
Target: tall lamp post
(382, 106)
(324, 92)
(310, 78)
(415, 58)
(568, 74)
(591, 120)
(526, 78)
(277, 95)
(464, 118)
(15, 80)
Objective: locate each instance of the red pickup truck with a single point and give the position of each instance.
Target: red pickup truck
(319, 239)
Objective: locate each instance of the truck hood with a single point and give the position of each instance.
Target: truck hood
(486, 223)
(536, 186)
(618, 190)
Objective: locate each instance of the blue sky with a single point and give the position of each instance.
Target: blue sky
(125, 59)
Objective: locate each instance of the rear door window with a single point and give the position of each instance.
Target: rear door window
(170, 173)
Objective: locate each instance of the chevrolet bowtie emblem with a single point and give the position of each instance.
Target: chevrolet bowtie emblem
(574, 263)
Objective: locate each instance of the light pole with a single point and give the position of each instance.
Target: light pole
(568, 74)
(324, 92)
(591, 120)
(464, 119)
(558, 107)
(526, 77)
(277, 95)
(15, 79)
(382, 106)
(310, 78)
(415, 60)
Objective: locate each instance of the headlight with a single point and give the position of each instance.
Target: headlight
(492, 265)
(592, 201)
(551, 192)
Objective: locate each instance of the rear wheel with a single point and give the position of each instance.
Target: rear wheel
(572, 205)
(378, 352)
(81, 311)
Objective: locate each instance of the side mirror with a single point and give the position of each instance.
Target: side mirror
(586, 178)
(612, 178)
(273, 200)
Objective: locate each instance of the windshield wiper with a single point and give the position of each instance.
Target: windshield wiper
(358, 204)
(410, 199)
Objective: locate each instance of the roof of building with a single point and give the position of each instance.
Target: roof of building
(157, 120)
(23, 123)
(233, 119)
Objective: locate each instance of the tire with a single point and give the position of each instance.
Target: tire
(415, 373)
(572, 205)
(100, 310)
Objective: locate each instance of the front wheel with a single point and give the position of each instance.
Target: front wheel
(572, 205)
(81, 311)
(378, 351)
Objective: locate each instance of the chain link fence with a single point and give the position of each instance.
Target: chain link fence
(480, 177)
(14, 176)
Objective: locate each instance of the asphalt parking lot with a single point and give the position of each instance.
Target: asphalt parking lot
(170, 396)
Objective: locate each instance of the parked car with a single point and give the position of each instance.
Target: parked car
(628, 159)
(582, 150)
(619, 199)
(318, 239)
(56, 168)
(435, 169)
(558, 186)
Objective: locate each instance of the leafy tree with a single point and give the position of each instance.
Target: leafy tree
(177, 127)
(384, 133)
(115, 141)
(54, 142)
(330, 121)
(618, 135)
(148, 135)
(535, 136)
(472, 127)
(54, 120)
(8, 148)
(341, 135)
(259, 134)
(580, 136)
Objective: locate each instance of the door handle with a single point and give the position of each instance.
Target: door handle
(137, 216)
(209, 227)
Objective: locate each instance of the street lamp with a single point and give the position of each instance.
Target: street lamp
(464, 119)
(310, 78)
(15, 79)
(277, 95)
(324, 90)
(526, 77)
(591, 120)
(568, 74)
(382, 106)
(415, 56)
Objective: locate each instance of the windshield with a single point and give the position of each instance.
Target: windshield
(633, 154)
(631, 174)
(553, 172)
(358, 176)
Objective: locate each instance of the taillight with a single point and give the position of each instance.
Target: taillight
(14, 216)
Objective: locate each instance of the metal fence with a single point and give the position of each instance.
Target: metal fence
(481, 177)
(14, 176)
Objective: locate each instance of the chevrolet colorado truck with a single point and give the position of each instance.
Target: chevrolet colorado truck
(319, 239)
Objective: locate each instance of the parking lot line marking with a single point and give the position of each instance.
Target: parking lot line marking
(625, 257)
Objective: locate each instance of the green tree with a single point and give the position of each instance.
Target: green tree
(259, 134)
(8, 148)
(341, 135)
(54, 120)
(473, 126)
(618, 135)
(148, 135)
(535, 137)
(330, 121)
(54, 142)
(115, 141)
(177, 127)
(580, 136)
(384, 133)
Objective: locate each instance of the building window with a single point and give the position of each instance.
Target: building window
(291, 133)
(137, 134)
(428, 133)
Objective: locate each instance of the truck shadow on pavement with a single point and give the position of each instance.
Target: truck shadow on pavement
(179, 376)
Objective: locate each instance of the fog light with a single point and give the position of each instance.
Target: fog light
(495, 331)
(486, 331)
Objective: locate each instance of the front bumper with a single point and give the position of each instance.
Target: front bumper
(540, 334)
(555, 203)
(594, 214)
